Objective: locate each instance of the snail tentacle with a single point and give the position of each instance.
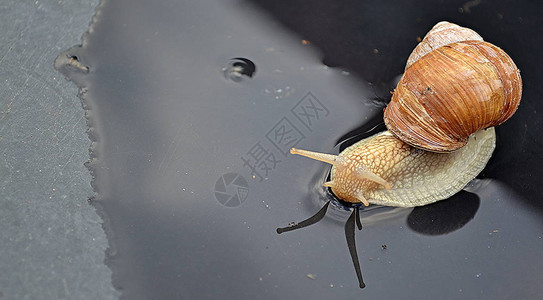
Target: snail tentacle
(324, 157)
(363, 173)
(337, 161)
(329, 184)
(360, 196)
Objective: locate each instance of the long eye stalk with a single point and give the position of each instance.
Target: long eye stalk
(327, 158)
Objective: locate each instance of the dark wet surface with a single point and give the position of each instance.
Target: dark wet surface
(193, 177)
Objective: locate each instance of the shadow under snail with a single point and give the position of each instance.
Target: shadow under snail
(455, 89)
(440, 120)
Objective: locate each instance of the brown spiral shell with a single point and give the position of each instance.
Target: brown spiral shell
(454, 85)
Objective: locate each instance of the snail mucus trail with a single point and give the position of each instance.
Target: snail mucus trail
(440, 120)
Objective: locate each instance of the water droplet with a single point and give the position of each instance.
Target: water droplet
(239, 68)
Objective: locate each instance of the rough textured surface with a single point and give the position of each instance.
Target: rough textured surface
(424, 177)
(417, 177)
(51, 243)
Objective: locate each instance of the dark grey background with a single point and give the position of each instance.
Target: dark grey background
(51, 244)
(166, 124)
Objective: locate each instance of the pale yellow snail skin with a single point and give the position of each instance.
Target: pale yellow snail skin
(408, 176)
(455, 89)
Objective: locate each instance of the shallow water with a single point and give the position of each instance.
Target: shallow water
(192, 175)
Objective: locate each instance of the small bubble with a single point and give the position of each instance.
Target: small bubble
(239, 68)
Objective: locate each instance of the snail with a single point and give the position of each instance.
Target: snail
(440, 120)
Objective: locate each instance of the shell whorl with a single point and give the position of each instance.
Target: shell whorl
(443, 33)
(451, 90)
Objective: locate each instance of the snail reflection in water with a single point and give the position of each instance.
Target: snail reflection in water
(440, 122)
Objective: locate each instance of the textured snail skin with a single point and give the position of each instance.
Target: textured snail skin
(417, 177)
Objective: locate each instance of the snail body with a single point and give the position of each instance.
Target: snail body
(440, 120)
(408, 176)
